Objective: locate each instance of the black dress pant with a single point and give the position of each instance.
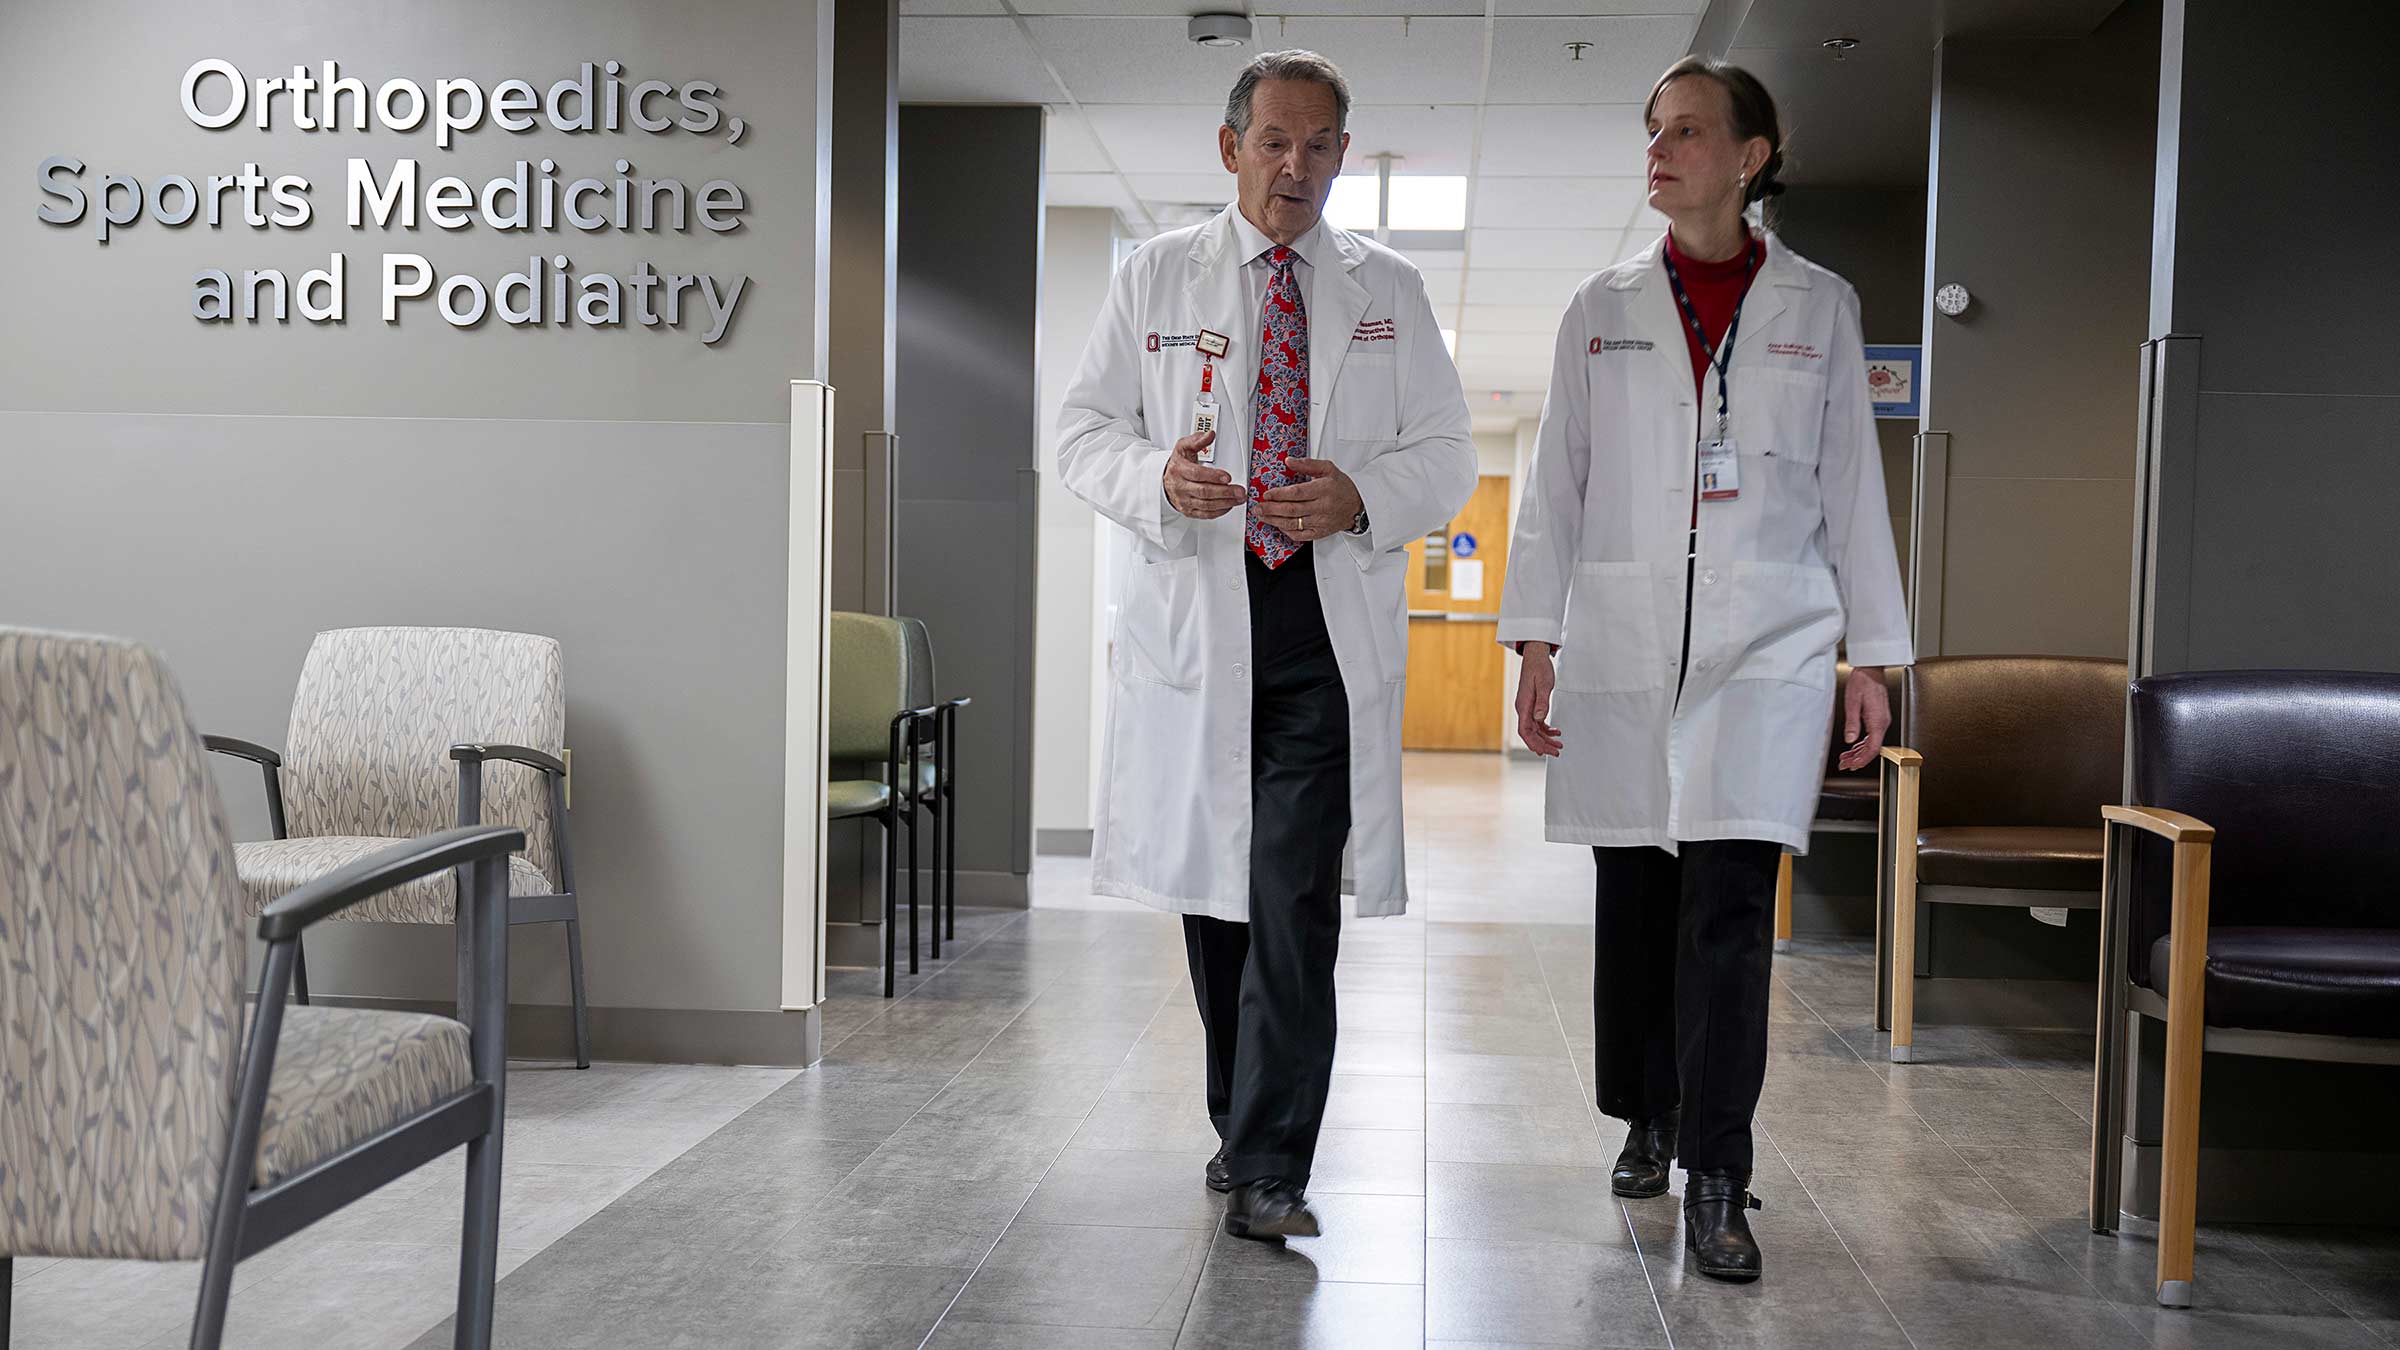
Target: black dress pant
(1265, 988)
(1679, 992)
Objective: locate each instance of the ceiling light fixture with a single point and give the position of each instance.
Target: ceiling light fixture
(1219, 30)
(1841, 46)
(1577, 49)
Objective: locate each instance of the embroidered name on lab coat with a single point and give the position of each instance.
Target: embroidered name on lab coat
(1376, 330)
(1604, 345)
(1800, 349)
(1171, 340)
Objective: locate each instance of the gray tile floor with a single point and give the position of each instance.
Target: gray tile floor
(1009, 1156)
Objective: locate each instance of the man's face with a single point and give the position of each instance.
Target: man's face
(1287, 163)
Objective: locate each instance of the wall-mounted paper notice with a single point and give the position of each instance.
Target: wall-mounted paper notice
(1466, 579)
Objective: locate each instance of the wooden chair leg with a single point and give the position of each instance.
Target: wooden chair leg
(1783, 904)
(2179, 1151)
(1904, 953)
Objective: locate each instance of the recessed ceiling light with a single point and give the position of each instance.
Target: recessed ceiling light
(1219, 30)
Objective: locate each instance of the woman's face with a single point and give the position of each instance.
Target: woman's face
(1695, 164)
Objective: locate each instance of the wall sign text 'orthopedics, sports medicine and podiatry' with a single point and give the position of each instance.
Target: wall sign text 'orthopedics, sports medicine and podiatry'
(539, 199)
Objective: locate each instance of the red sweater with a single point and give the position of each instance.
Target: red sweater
(1715, 288)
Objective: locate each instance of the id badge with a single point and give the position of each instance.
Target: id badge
(1720, 471)
(1204, 412)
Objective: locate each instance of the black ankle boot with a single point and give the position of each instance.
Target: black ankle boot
(1716, 1224)
(1641, 1170)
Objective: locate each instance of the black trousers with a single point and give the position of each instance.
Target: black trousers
(1679, 992)
(1265, 988)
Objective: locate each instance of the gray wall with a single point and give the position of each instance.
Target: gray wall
(1875, 238)
(2275, 253)
(225, 491)
(970, 290)
(2041, 208)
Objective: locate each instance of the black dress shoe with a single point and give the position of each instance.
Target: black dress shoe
(1641, 1170)
(1716, 1224)
(1270, 1209)
(1219, 1179)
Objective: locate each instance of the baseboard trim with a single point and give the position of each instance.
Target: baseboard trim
(2268, 1185)
(773, 1039)
(996, 890)
(2043, 1005)
(1063, 843)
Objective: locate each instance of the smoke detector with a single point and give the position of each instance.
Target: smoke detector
(1220, 30)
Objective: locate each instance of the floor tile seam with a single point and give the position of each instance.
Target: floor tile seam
(2313, 1287)
(889, 1004)
(1830, 1227)
(1589, 1093)
(2123, 1313)
(1019, 1214)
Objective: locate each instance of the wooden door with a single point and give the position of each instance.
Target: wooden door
(1456, 670)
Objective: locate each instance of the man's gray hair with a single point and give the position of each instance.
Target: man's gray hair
(1290, 65)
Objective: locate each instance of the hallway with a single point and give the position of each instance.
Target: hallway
(1009, 1156)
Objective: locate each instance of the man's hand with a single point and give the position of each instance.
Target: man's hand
(1866, 716)
(1322, 506)
(1534, 684)
(1195, 489)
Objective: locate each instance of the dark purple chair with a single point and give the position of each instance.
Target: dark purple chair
(2250, 902)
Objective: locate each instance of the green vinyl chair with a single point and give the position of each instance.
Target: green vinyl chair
(871, 721)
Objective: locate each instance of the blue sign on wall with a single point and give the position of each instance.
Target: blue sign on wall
(1462, 546)
(1895, 380)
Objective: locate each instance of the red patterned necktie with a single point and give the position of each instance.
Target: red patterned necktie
(1279, 406)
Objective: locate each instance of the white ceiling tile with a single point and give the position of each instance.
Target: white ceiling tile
(1625, 59)
(1371, 8)
(1211, 189)
(910, 9)
(1430, 140)
(1594, 141)
(1553, 287)
(1067, 144)
(1153, 140)
(1086, 189)
(1442, 285)
(1424, 60)
(1556, 203)
(1579, 7)
(1436, 260)
(1541, 319)
(968, 60)
(1136, 60)
(1588, 249)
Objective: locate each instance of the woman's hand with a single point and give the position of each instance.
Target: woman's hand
(1866, 716)
(1534, 684)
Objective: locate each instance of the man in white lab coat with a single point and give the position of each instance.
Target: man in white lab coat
(1261, 643)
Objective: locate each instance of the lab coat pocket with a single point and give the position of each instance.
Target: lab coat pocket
(1788, 616)
(1386, 580)
(1612, 644)
(1159, 627)
(1791, 406)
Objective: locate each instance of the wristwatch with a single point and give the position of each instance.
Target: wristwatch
(1358, 523)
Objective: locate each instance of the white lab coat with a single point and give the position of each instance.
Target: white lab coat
(1385, 405)
(1802, 560)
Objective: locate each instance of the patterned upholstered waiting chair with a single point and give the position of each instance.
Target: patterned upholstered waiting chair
(137, 1123)
(394, 733)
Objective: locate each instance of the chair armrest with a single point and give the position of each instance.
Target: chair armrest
(2173, 826)
(516, 754)
(952, 703)
(346, 886)
(1902, 756)
(256, 754)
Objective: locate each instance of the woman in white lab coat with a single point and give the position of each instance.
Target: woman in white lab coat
(1705, 521)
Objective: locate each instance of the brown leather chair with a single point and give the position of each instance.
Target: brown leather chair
(1845, 804)
(1994, 799)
